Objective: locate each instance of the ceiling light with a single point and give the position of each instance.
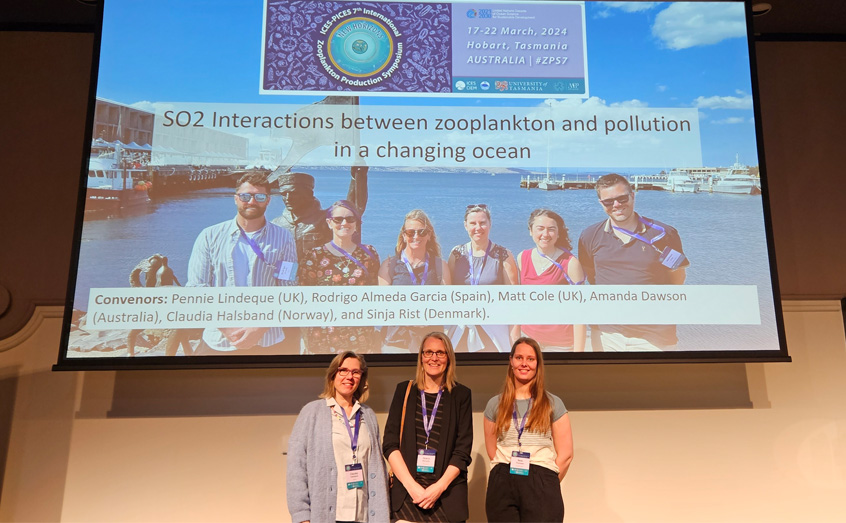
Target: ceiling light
(761, 8)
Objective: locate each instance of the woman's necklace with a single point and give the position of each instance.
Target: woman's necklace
(542, 262)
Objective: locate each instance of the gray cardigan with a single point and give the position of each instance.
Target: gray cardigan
(312, 474)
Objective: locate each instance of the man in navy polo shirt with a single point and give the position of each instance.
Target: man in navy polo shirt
(629, 249)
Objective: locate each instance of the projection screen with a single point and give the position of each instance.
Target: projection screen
(585, 173)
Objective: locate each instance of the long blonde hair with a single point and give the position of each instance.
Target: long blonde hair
(433, 248)
(449, 375)
(540, 417)
(363, 389)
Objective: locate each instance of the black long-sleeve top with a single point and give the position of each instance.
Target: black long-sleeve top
(454, 447)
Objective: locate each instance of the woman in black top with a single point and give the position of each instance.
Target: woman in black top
(430, 462)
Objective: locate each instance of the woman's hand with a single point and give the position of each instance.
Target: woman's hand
(244, 338)
(431, 495)
(490, 438)
(434, 491)
(562, 440)
(403, 475)
(416, 491)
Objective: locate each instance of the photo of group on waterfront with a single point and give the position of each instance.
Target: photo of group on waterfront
(516, 235)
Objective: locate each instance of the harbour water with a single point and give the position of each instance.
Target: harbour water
(723, 234)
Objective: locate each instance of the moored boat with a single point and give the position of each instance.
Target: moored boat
(680, 181)
(115, 183)
(549, 184)
(737, 180)
(735, 183)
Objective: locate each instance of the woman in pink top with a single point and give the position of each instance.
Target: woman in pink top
(551, 263)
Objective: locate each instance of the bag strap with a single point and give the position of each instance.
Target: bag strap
(404, 403)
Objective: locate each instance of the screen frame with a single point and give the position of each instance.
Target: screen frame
(395, 360)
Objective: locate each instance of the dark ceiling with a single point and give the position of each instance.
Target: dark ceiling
(797, 17)
(803, 16)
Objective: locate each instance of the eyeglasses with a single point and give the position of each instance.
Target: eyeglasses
(246, 197)
(479, 205)
(342, 372)
(428, 354)
(609, 202)
(341, 219)
(411, 233)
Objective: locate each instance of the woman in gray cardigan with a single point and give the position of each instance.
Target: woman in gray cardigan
(335, 468)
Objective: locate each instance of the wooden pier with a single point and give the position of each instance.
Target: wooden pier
(529, 182)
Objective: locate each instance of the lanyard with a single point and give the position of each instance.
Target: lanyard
(429, 422)
(353, 437)
(647, 241)
(522, 425)
(351, 257)
(411, 270)
(475, 281)
(561, 267)
(253, 245)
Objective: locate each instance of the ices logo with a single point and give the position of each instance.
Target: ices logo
(471, 13)
(460, 85)
(485, 85)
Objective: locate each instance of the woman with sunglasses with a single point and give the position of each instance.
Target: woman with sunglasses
(335, 472)
(342, 261)
(481, 262)
(529, 442)
(417, 262)
(428, 438)
(551, 263)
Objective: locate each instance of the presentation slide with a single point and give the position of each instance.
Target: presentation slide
(289, 179)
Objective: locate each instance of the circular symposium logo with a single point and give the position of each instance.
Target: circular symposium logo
(361, 47)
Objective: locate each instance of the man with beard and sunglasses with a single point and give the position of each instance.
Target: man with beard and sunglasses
(247, 251)
(629, 249)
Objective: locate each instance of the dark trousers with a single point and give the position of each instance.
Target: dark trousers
(536, 497)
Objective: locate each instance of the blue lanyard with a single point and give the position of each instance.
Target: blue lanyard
(522, 425)
(353, 437)
(411, 270)
(647, 241)
(429, 422)
(475, 281)
(351, 257)
(253, 245)
(561, 267)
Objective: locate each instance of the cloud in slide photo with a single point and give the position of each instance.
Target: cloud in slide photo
(685, 25)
